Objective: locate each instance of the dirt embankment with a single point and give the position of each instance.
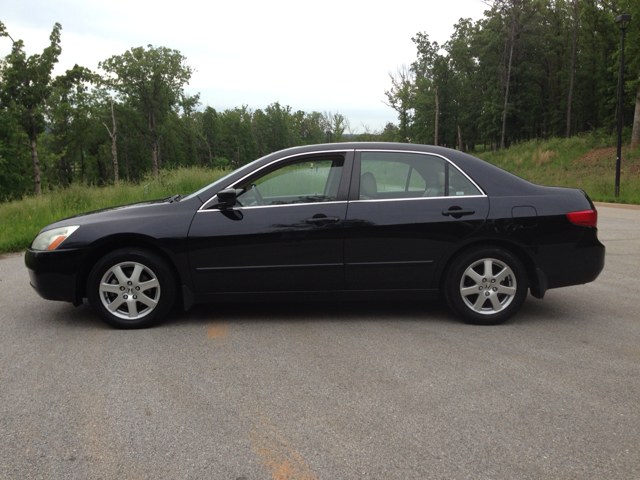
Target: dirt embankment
(605, 157)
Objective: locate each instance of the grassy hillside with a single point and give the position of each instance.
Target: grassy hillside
(582, 162)
(587, 163)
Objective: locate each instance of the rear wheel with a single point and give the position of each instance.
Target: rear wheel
(486, 285)
(131, 288)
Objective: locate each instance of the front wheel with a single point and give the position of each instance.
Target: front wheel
(131, 288)
(486, 285)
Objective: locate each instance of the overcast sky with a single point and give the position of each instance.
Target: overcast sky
(325, 56)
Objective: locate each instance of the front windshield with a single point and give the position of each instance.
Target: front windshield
(222, 180)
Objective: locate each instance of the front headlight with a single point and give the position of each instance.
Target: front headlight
(51, 239)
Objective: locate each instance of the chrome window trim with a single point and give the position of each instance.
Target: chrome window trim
(416, 198)
(432, 155)
(274, 206)
(321, 152)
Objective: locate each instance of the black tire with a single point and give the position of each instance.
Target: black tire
(496, 275)
(131, 288)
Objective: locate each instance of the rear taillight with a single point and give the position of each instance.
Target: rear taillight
(588, 218)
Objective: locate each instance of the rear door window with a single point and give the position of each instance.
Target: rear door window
(395, 175)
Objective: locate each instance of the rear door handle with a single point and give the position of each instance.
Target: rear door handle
(457, 212)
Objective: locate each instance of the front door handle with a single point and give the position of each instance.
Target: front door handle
(322, 220)
(457, 212)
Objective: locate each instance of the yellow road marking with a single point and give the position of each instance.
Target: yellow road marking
(217, 330)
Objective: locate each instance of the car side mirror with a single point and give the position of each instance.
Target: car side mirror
(226, 198)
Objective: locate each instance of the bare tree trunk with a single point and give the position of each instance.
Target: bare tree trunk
(33, 137)
(573, 64)
(506, 90)
(155, 147)
(126, 162)
(63, 173)
(462, 149)
(210, 156)
(154, 158)
(635, 133)
(100, 172)
(82, 162)
(37, 184)
(405, 135)
(435, 140)
(114, 148)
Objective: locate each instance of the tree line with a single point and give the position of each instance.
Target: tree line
(127, 121)
(528, 69)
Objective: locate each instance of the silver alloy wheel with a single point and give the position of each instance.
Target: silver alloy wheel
(129, 290)
(488, 286)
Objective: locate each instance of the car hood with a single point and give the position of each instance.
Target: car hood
(124, 211)
(133, 216)
(144, 203)
(153, 219)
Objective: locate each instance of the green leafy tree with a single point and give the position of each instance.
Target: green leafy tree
(207, 134)
(467, 87)
(65, 115)
(14, 159)
(307, 128)
(26, 86)
(237, 140)
(400, 98)
(152, 80)
(335, 125)
(112, 131)
(632, 60)
(528, 69)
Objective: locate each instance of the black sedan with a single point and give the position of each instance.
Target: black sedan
(333, 221)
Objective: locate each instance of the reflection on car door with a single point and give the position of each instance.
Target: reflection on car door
(398, 226)
(286, 233)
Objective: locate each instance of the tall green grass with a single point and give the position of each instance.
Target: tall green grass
(20, 221)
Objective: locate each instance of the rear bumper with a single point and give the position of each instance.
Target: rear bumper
(54, 275)
(573, 264)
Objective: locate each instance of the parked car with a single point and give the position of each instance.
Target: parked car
(332, 221)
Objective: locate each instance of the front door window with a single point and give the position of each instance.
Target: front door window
(310, 181)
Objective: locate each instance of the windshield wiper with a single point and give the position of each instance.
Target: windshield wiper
(175, 198)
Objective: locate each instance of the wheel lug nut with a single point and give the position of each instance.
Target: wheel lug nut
(480, 288)
(137, 288)
(135, 297)
(495, 289)
(484, 280)
(493, 280)
(125, 296)
(122, 289)
(129, 283)
(487, 293)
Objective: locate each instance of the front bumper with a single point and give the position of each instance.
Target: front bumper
(54, 274)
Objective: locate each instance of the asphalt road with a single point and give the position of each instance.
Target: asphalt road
(342, 391)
